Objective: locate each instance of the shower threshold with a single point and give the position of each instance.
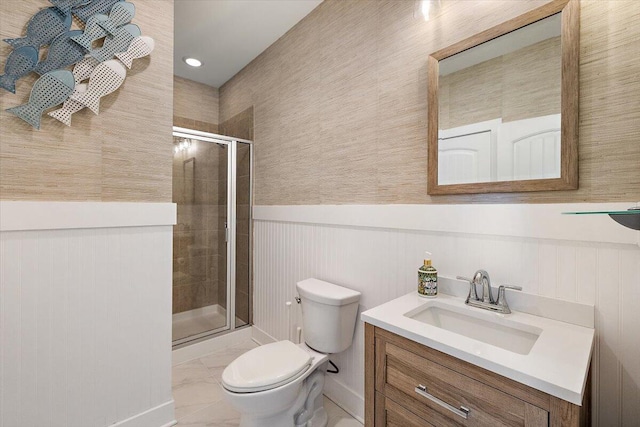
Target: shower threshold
(197, 321)
(200, 322)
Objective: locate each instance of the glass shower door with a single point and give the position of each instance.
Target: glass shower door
(200, 253)
(212, 283)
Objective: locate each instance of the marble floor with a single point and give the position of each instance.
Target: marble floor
(198, 394)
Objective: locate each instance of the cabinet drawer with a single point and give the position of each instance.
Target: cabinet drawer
(392, 414)
(445, 397)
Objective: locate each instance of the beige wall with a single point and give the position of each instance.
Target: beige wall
(340, 103)
(516, 86)
(195, 105)
(124, 154)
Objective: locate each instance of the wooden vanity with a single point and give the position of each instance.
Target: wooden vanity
(408, 384)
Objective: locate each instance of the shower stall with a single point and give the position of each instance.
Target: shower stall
(212, 187)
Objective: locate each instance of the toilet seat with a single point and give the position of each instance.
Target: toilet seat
(266, 367)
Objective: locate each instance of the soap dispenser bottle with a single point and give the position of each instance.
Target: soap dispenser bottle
(427, 279)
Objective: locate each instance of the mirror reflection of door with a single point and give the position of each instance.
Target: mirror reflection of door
(466, 154)
(529, 149)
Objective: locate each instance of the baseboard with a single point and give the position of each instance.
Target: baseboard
(260, 336)
(160, 416)
(202, 348)
(344, 397)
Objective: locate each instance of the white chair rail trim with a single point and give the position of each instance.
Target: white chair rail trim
(539, 221)
(28, 216)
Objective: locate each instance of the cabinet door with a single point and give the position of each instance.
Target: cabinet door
(446, 397)
(391, 414)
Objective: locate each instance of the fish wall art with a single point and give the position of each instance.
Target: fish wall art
(20, 62)
(48, 91)
(99, 52)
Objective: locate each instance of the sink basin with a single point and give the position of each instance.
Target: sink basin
(485, 327)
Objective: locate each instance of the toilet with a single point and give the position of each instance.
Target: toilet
(280, 384)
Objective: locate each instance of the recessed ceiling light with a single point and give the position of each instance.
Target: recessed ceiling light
(192, 61)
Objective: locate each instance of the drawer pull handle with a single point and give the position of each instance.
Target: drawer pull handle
(422, 391)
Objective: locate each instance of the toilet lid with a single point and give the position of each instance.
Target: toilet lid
(266, 367)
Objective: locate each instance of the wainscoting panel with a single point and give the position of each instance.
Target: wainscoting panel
(85, 327)
(381, 263)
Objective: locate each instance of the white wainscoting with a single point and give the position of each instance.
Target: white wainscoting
(85, 318)
(380, 260)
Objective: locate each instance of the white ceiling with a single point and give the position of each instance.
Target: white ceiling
(228, 34)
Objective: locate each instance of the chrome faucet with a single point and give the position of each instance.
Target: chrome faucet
(486, 301)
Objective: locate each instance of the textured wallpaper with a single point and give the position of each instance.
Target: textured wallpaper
(340, 103)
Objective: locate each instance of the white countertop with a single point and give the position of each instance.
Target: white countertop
(558, 363)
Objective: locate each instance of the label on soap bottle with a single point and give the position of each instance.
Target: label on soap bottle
(428, 282)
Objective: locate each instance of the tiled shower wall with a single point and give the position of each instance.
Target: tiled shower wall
(382, 263)
(243, 235)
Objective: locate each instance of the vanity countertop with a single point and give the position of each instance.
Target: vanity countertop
(557, 364)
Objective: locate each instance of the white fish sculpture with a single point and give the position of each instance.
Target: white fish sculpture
(139, 48)
(106, 78)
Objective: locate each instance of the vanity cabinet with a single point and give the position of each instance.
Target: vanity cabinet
(408, 384)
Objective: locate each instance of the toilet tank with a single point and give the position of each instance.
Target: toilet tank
(329, 314)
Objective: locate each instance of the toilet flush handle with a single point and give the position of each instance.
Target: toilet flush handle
(298, 300)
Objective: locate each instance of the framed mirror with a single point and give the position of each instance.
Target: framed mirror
(503, 106)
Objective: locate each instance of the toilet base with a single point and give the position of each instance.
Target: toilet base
(306, 411)
(299, 403)
(320, 418)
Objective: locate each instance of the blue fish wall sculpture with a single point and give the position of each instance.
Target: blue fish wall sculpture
(119, 43)
(20, 62)
(92, 31)
(65, 6)
(43, 27)
(122, 13)
(83, 13)
(62, 53)
(50, 90)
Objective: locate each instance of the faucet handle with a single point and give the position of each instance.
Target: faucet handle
(473, 295)
(502, 300)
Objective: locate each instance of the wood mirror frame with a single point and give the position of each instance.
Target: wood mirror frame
(570, 47)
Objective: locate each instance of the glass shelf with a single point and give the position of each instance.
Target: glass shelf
(627, 212)
(629, 218)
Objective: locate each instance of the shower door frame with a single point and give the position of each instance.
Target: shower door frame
(232, 155)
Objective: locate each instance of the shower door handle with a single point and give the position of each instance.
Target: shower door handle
(226, 231)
